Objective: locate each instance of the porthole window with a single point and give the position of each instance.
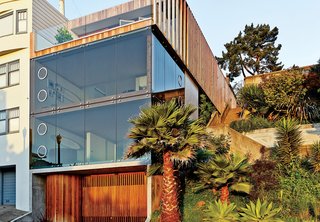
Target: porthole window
(42, 129)
(42, 73)
(42, 95)
(42, 151)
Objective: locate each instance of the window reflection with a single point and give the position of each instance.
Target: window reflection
(166, 73)
(96, 134)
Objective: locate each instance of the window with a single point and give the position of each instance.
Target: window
(13, 120)
(9, 74)
(6, 24)
(9, 121)
(22, 21)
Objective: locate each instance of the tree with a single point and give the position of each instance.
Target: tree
(63, 35)
(252, 52)
(224, 173)
(166, 130)
(316, 68)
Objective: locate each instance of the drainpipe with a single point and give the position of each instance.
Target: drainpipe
(61, 7)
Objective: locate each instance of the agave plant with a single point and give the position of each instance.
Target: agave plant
(225, 173)
(315, 156)
(221, 212)
(261, 212)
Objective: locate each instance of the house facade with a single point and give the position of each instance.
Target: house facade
(80, 93)
(15, 23)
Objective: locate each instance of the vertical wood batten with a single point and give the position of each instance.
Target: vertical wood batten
(173, 23)
(169, 20)
(164, 29)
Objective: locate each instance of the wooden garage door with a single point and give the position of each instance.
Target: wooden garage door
(114, 197)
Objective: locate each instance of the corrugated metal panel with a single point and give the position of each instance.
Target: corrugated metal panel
(9, 188)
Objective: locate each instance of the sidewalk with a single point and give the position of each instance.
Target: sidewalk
(8, 213)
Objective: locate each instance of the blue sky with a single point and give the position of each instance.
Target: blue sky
(298, 22)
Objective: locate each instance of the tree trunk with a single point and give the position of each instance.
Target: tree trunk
(170, 204)
(224, 196)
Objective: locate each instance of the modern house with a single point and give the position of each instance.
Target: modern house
(82, 93)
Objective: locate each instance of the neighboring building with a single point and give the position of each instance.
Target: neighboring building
(15, 29)
(82, 93)
(16, 23)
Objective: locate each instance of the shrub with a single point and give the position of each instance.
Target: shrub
(206, 108)
(286, 95)
(63, 35)
(264, 178)
(300, 192)
(289, 139)
(253, 123)
(315, 156)
(252, 98)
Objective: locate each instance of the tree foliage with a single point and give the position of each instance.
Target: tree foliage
(224, 172)
(63, 35)
(286, 95)
(252, 52)
(166, 130)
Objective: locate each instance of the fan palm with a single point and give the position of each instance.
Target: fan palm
(224, 173)
(166, 130)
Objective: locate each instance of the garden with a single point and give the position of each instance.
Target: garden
(202, 180)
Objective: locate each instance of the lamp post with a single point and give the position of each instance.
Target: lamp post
(59, 139)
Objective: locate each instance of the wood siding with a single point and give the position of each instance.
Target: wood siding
(110, 12)
(63, 200)
(156, 192)
(115, 195)
(181, 30)
(118, 197)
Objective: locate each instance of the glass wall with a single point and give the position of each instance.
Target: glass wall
(166, 74)
(94, 134)
(101, 71)
(82, 98)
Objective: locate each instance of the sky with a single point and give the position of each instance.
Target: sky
(221, 20)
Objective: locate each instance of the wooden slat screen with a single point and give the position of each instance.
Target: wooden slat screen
(115, 197)
(63, 198)
(193, 49)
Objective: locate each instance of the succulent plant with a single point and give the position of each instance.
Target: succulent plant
(261, 212)
(221, 212)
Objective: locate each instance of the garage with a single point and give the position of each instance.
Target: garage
(8, 186)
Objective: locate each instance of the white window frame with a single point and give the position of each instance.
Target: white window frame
(7, 120)
(12, 28)
(18, 12)
(8, 72)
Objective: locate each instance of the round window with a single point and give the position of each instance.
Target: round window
(42, 73)
(42, 95)
(42, 129)
(42, 151)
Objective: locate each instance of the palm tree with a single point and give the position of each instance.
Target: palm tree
(225, 173)
(166, 130)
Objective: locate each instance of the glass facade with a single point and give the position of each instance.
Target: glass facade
(166, 74)
(83, 97)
